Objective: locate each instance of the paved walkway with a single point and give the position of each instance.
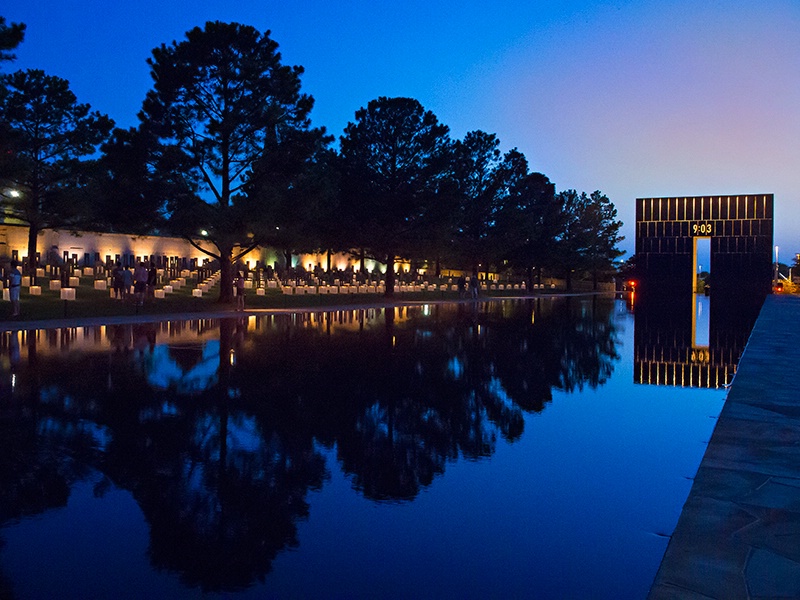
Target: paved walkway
(739, 533)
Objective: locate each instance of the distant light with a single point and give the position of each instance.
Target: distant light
(14, 194)
(204, 233)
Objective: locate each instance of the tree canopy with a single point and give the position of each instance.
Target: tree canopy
(11, 36)
(530, 224)
(225, 153)
(223, 98)
(395, 158)
(485, 180)
(50, 131)
(588, 233)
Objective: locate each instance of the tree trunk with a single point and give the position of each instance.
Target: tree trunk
(363, 267)
(438, 267)
(33, 236)
(389, 293)
(329, 260)
(226, 276)
(594, 280)
(569, 280)
(287, 256)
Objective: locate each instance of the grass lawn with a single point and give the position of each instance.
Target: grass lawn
(98, 303)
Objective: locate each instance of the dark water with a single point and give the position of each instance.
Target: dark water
(446, 451)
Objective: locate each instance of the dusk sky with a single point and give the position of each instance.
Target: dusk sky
(634, 98)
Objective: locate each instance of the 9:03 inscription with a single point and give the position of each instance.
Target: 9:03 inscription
(702, 228)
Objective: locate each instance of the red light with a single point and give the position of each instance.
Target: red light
(632, 284)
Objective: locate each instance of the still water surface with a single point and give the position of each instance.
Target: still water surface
(442, 451)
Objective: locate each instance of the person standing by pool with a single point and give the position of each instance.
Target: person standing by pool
(127, 282)
(117, 280)
(139, 283)
(152, 279)
(14, 285)
(239, 290)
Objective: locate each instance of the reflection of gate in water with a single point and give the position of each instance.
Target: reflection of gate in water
(668, 350)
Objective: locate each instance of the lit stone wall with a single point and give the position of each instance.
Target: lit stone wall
(92, 247)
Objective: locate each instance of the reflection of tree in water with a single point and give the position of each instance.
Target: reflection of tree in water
(221, 487)
(222, 473)
(409, 396)
(585, 339)
(35, 477)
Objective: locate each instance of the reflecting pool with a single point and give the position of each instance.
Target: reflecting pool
(502, 449)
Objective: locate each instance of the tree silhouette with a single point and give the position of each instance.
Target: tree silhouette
(50, 133)
(11, 36)
(395, 158)
(223, 99)
(484, 179)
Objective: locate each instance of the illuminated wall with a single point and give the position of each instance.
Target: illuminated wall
(740, 228)
(90, 247)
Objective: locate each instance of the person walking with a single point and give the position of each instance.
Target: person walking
(14, 285)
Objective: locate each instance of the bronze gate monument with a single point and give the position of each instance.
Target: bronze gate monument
(739, 227)
(670, 347)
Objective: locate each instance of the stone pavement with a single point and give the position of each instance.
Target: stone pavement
(739, 533)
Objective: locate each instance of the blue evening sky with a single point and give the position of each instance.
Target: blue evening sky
(634, 98)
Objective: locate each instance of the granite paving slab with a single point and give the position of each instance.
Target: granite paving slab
(738, 535)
